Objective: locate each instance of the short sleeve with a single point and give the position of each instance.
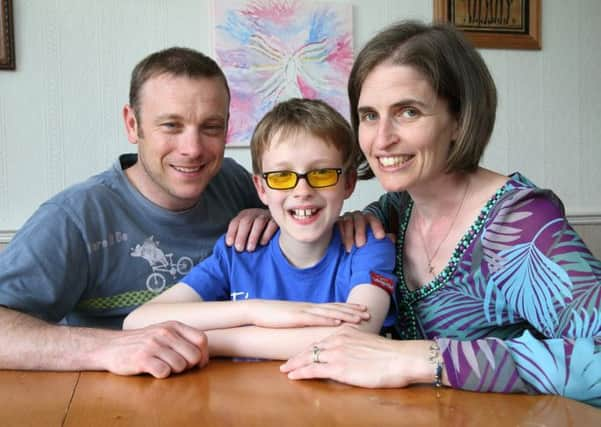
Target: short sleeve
(44, 270)
(210, 278)
(373, 264)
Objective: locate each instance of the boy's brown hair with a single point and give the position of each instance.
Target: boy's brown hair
(312, 116)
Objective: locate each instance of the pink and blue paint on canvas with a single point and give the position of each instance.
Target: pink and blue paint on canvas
(273, 50)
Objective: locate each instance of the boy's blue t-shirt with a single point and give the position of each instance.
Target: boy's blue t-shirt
(267, 274)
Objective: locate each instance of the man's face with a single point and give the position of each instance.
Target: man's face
(180, 133)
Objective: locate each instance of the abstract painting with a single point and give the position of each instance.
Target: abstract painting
(273, 50)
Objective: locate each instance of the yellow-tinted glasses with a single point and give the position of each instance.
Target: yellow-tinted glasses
(316, 178)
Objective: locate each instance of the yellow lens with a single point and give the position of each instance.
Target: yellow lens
(281, 180)
(322, 177)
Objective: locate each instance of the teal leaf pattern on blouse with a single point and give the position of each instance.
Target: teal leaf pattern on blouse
(565, 367)
(533, 283)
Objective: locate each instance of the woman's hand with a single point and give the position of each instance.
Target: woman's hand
(353, 228)
(289, 314)
(249, 227)
(365, 360)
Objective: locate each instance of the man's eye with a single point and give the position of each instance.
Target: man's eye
(409, 113)
(214, 129)
(169, 125)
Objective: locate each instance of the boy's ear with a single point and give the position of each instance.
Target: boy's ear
(350, 181)
(259, 186)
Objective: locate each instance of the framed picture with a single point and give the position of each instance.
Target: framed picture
(500, 24)
(7, 41)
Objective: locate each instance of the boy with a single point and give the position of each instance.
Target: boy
(304, 160)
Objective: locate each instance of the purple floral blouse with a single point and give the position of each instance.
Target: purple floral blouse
(518, 306)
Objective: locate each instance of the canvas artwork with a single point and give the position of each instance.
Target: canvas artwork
(273, 50)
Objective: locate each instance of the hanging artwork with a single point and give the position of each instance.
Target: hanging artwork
(273, 50)
(7, 43)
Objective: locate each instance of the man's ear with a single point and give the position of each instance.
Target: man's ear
(350, 181)
(131, 124)
(259, 186)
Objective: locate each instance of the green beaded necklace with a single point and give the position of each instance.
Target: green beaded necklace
(407, 323)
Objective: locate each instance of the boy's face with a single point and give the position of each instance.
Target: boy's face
(304, 214)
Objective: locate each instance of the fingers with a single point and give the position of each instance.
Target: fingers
(269, 231)
(377, 227)
(245, 230)
(256, 231)
(340, 313)
(315, 362)
(347, 231)
(172, 347)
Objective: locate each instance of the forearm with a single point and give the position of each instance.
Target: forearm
(199, 314)
(32, 344)
(265, 343)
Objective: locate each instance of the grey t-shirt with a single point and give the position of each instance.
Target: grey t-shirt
(97, 250)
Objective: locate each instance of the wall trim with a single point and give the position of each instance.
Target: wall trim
(6, 236)
(575, 219)
(585, 219)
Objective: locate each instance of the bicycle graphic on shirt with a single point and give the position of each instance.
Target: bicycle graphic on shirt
(161, 264)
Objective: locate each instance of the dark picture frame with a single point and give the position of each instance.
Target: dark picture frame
(497, 24)
(7, 38)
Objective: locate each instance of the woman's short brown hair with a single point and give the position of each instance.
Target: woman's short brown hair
(312, 116)
(454, 69)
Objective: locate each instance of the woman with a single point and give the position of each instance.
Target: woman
(496, 291)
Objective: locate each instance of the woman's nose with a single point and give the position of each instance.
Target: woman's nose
(385, 134)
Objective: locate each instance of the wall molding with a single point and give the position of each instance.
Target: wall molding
(575, 219)
(6, 236)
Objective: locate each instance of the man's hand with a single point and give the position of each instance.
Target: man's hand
(159, 350)
(352, 226)
(249, 227)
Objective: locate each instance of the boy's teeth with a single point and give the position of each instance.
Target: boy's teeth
(393, 160)
(303, 213)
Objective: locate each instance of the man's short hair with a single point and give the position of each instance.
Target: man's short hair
(314, 117)
(174, 61)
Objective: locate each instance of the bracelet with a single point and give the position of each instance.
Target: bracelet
(435, 359)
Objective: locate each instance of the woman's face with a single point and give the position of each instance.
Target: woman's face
(405, 129)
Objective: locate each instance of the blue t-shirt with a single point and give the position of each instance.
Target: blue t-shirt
(267, 274)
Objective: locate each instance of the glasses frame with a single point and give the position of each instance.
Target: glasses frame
(299, 176)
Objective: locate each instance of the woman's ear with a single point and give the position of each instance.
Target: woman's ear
(260, 187)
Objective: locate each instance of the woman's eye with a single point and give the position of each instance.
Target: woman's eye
(368, 116)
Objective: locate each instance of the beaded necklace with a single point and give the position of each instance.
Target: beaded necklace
(407, 323)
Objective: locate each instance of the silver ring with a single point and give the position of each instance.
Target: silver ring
(316, 351)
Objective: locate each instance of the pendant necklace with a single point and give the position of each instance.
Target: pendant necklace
(421, 236)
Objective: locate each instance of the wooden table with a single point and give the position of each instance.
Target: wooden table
(228, 393)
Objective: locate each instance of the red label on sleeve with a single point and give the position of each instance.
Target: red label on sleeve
(382, 282)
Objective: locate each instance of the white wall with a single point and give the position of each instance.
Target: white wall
(60, 112)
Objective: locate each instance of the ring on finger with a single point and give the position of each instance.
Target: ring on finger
(316, 351)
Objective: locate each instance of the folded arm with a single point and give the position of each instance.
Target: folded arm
(260, 328)
(282, 343)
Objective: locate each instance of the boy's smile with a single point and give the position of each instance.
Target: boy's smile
(305, 215)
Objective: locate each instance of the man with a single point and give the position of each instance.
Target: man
(97, 250)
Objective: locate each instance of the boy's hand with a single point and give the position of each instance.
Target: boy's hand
(353, 228)
(289, 314)
(250, 225)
